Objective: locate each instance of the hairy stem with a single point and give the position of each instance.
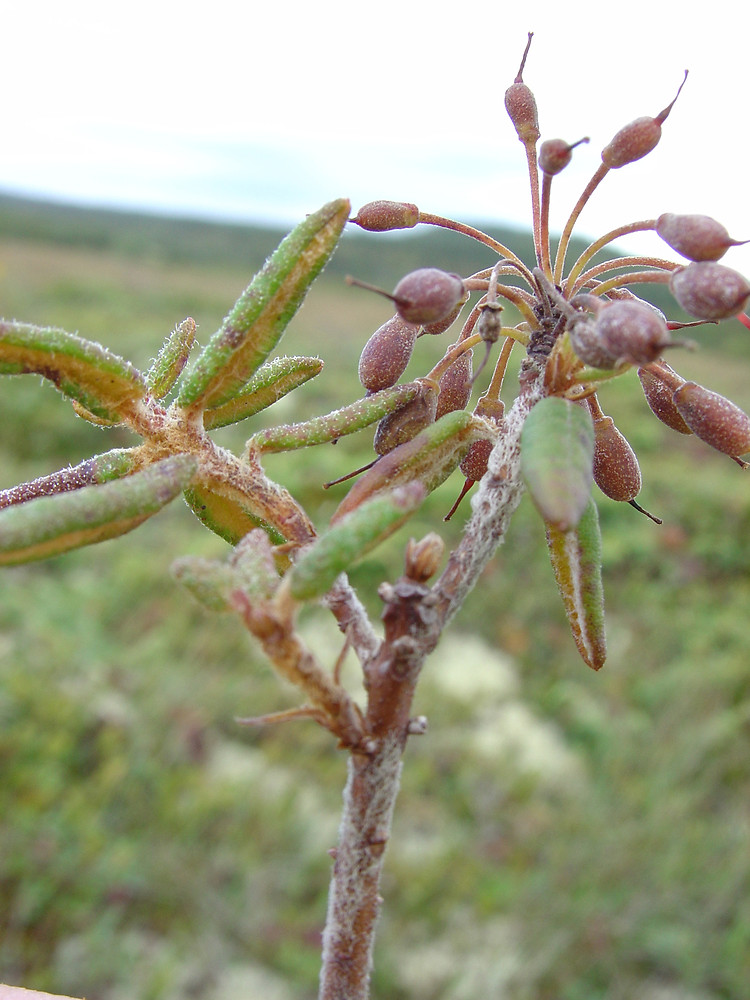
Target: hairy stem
(354, 900)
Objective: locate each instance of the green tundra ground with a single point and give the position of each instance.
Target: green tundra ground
(561, 835)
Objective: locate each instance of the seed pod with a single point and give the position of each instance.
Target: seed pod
(557, 454)
(455, 385)
(402, 425)
(556, 154)
(382, 216)
(632, 332)
(428, 295)
(587, 344)
(521, 106)
(474, 466)
(659, 392)
(709, 291)
(637, 139)
(697, 237)
(435, 329)
(386, 354)
(714, 418)
(352, 537)
(616, 469)
(576, 558)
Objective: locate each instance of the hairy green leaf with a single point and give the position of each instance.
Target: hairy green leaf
(429, 457)
(171, 359)
(322, 430)
(557, 459)
(101, 382)
(270, 383)
(49, 525)
(352, 537)
(576, 557)
(100, 469)
(259, 317)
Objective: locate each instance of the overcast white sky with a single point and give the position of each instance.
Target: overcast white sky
(252, 112)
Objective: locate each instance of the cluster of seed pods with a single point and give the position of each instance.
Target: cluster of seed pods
(579, 328)
(581, 325)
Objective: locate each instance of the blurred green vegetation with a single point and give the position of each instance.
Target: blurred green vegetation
(151, 848)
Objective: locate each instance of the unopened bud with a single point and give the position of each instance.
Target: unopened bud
(714, 418)
(709, 291)
(383, 216)
(697, 237)
(423, 557)
(386, 354)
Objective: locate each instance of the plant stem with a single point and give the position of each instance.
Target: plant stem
(414, 618)
(354, 900)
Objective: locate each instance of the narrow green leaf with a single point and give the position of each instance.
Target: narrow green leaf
(351, 538)
(171, 359)
(250, 568)
(576, 557)
(230, 517)
(101, 382)
(557, 459)
(100, 469)
(255, 325)
(330, 427)
(429, 457)
(48, 526)
(270, 383)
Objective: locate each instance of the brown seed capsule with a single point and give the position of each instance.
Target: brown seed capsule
(556, 154)
(455, 385)
(659, 383)
(708, 290)
(474, 465)
(638, 138)
(428, 295)
(587, 344)
(697, 237)
(616, 469)
(521, 106)
(404, 424)
(632, 332)
(386, 354)
(382, 216)
(435, 329)
(714, 418)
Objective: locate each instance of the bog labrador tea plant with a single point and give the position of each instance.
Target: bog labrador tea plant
(581, 326)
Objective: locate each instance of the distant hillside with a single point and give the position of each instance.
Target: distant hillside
(379, 258)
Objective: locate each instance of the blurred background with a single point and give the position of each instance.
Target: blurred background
(560, 834)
